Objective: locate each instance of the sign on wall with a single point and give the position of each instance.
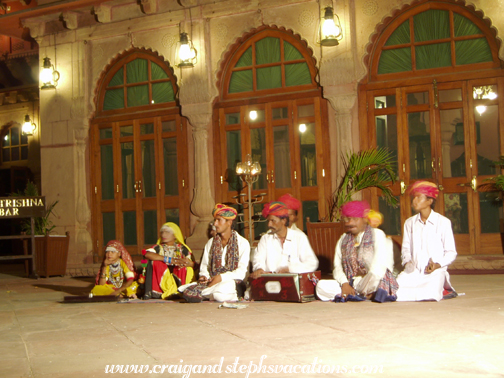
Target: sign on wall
(22, 207)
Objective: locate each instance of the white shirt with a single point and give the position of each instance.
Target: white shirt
(376, 265)
(430, 240)
(296, 253)
(237, 274)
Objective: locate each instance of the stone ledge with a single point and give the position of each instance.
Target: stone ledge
(484, 264)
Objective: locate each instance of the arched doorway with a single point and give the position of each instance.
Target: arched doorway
(433, 94)
(272, 71)
(138, 152)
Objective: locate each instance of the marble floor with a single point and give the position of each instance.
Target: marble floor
(43, 337)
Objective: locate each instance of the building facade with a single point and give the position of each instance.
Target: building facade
(129, 138)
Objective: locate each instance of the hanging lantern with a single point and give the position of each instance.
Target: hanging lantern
(330, 32)
(186, 52)
(48, 75)
(28, 127)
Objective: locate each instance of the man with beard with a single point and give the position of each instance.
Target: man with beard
(363, 262)
(224, 263)
(282, 249)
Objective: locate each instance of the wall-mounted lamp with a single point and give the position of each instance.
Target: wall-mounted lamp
(48, 76)
(28, 127)
(186, 52)
(330, 31)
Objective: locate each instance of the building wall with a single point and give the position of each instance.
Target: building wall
(81, 47)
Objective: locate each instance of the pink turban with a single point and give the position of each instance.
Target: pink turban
(355, 209)
(277, 209)
(291, 202)
(226, 212)
(424, 187)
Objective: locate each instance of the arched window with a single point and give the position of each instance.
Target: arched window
(139, 152)
(433, 94)
(270, 73)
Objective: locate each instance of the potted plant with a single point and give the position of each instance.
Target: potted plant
(371, 168)
(51, 250)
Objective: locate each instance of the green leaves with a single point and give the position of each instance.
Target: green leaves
(371, 168)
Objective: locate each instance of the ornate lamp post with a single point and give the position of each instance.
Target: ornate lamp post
(249, 173)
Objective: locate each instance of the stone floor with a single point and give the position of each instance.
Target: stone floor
(43, 337)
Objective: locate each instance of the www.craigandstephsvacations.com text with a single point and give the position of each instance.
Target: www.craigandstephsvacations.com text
(248, 368)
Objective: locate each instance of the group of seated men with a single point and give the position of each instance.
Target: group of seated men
(363, 261)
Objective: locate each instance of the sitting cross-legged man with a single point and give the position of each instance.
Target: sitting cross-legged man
(428, 248)
(224, 263)
(117, 273)
(363, 261)
(282, 249)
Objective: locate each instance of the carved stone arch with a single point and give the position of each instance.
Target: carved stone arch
(236, 48)
(383, 30)
(122, 58)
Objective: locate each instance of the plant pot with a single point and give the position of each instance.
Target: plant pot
(323, 237)
(51, 254)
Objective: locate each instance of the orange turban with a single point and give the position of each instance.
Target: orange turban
(277, 209)
(226, 212)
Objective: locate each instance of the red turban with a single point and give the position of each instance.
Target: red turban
(291, 202)
(424, 187)
(277, 209)
(355, 209)
(226, 212)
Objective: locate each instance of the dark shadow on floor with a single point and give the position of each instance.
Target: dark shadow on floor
(72, 290)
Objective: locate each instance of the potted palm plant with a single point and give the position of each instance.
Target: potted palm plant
(51, 250)
(371, 168)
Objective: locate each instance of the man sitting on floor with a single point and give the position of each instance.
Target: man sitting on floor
(363, 261)
(428, 248)
(224, 263)
(282, 249)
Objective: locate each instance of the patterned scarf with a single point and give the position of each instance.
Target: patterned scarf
(232, 255)
(352, 262)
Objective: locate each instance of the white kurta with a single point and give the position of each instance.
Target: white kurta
(421, 242)
(296, 253)
(375, 264)
(226, 289)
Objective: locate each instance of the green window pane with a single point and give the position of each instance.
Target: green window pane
(382, 102)
(232, 118)
(453, 146)
(107, 172)
(246, 59)
(487, 139)
(168, 126)
(258, 146)
(267, 50)
(172, 215)
(472, 51)
(310, 210)
(291, 53)
(24, 138)
(15, 153)
(129, 223)
(280, 113)
(150, 227)
(6, 154)
(463, 26)
(14, 136)
(308, 156)
(241, 81)
(400, 36)
(490, 207)
(456, 210)
(137, 71)
(157, 73)
(148, 169)
(281, 150)
(138, 95)
(396, 60)
(431, 25)
(106, 133)
(162, 92)
(306, 110)
(146, 129)
(391, 217)
(386, 135)
(297, 74)
(170, 166)
(6, 140)
(269, 77)
(108, 227)
(126, 131)
(128, 170)
(233, 141)
(433, 56)
(114, 99)
(419, 145)
(24, 152)
(118, 78)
